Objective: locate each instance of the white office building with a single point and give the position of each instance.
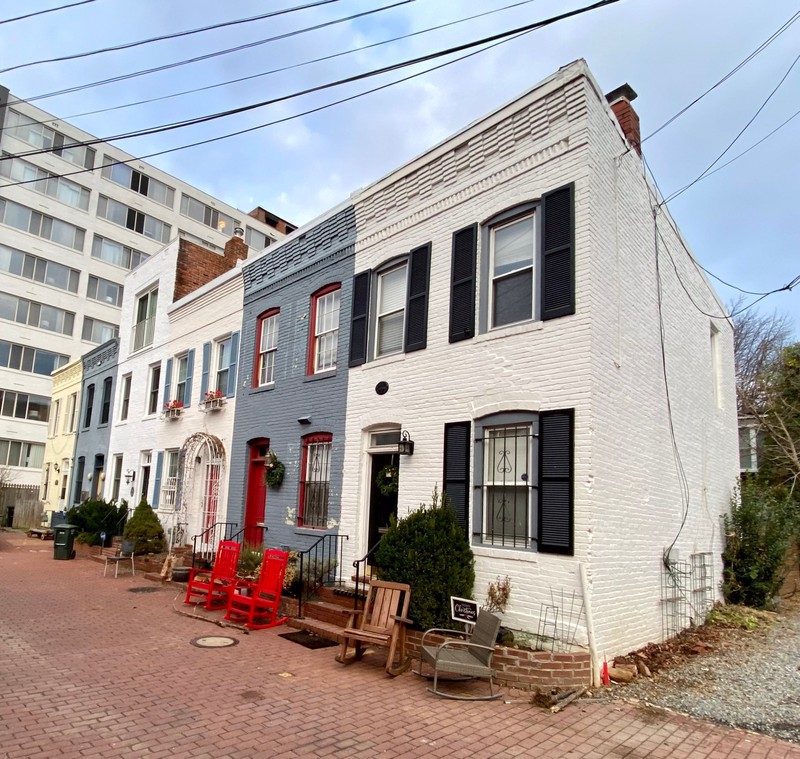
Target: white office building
(66, 245)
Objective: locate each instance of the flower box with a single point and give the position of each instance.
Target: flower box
(173, 413)
(213, 404)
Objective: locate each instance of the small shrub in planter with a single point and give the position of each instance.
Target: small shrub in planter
(429, 551)
(145, 529)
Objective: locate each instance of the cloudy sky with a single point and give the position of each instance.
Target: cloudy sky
(741, 221)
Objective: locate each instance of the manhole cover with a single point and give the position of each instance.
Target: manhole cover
(143, 590)
(214, 641)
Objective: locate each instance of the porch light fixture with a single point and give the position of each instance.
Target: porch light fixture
(405, 446)
(130, 476)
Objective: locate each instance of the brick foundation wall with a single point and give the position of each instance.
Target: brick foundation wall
(528, 670)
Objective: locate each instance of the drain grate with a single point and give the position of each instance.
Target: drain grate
(143, 590)
(214, 641)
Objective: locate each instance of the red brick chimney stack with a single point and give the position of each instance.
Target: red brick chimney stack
(235, 248)
(620, 101)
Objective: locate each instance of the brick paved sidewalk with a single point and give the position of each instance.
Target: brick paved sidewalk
(90, 669)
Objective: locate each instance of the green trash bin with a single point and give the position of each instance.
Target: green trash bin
(63, 541)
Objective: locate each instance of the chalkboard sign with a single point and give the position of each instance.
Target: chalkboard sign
(463, 610)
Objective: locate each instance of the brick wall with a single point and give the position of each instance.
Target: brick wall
(197, 266)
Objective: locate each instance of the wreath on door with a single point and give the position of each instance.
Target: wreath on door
(387, 479)
(274, 471)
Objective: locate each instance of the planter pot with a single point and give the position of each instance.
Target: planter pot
(180, 574)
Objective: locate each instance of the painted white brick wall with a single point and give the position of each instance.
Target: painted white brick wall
(210, 313)
(604, 361)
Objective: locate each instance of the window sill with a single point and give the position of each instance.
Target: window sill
(320, 376)
(262, 389)
(309, 530)
(394, 358)
(509, 331)
(509, 553)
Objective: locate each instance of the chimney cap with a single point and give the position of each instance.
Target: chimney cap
(238, 232)
(623, 92)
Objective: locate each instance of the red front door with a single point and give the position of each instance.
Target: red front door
(256, 503)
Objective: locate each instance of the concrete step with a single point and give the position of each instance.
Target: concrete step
(318, 627)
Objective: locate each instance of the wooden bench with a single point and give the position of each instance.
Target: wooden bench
(382, 622)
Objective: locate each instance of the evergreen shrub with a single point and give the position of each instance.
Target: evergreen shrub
(429, 551)
(94, 517)
(145, 529)
(758, 532)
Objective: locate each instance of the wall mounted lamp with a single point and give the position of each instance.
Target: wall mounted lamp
(304, 420)
(405, 446)
(130, 476)
(55, 467)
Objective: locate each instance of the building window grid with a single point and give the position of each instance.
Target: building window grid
(125, 176)
(211, 217)
(32, 360)
(315, 485)
(20, 453)
(137, 221)
(38, 269)
(96, 331)
(43, 137)
(116, 253)
(104, 291)
(34, 314)
(507, 485)
(267, 348)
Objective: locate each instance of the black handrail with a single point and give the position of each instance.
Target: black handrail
(320, 564)
(364, 561)
(211, 536)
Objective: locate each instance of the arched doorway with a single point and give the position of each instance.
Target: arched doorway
(256, 497)
(201, 470)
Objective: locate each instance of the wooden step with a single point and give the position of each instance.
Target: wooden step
(318, 627)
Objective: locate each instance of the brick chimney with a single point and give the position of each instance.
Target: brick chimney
(620, 101)
(197, 266)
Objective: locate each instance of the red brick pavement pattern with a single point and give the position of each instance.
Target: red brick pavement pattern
(88, 669)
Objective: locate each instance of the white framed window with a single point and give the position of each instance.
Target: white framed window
(144, 328)
(43, 137)
(97, 331)
(390, 310)
(39, 224)
(211, 217)
(512, 255)
(116, 253)
(222, 365)
(56, 417)
(325, 323)
(125, 397)
(267, 347)
(169, 481)
(116, 480)
(44, 182)
(20, 453)
(26, 359)
(181, 373)
(104, 291)
(71, 418)
(152, 392)
(125, 176)
(41, 315)
(142, 223)
(256, 240)
(38, 269)
(35, 408)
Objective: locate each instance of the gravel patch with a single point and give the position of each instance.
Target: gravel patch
(752, 682)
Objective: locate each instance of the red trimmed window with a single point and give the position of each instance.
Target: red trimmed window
(324, 329)
(266, 348)
(315, 482)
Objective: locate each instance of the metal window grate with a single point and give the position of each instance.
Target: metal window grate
(316, 485)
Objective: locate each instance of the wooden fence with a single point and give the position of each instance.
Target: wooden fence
(20, 506)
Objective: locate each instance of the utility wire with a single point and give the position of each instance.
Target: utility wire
(298, 65)
(727, 76)
(735, 139)
(317, 109)
(174, 35)
(206, 56)
(347, 80)
(41, 13)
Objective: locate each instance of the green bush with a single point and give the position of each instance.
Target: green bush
(144, 528)
(94, 517)
(758, 533)
(429, 551)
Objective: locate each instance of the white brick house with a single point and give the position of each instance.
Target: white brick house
(515, 315)
(171, 438)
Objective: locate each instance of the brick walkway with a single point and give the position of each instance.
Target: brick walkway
(89, 669)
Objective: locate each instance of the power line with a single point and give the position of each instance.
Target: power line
(299, 65)
(47, 10)
(735, 139)
(727, 76)
(174, 35)
(206, 56)
(347, 80)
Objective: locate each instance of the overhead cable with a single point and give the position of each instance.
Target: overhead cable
(46, 10)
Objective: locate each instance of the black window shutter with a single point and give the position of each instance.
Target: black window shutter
(462, 283)
(456, 470)
(419, 272)
(556, 519)
(359, 320)
(558, 253)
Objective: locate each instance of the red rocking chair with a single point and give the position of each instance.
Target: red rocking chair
(212, 587)
(256, 603)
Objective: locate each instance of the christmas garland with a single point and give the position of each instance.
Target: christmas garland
(387, 479)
